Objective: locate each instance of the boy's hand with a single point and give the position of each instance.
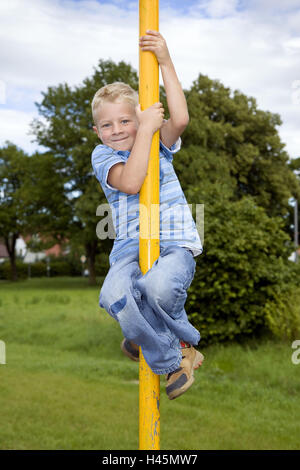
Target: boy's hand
(154, 42)
(152, 118)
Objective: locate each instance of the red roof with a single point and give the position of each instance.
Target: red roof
(55, 250)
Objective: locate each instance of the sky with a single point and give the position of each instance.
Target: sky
(249, 45)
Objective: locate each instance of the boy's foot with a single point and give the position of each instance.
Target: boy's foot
(130, 350)
(180, 380)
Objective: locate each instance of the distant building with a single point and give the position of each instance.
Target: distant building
(28, 256)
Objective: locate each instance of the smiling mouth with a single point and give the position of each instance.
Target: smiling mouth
(120, 140)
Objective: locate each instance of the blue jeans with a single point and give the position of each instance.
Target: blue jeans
(150, 307)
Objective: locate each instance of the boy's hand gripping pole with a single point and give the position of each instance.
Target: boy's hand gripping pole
(149, 388)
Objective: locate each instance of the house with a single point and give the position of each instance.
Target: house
(31, 257)
(28, 256)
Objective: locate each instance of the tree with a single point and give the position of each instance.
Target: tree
(66, 130)
(46, 208)
(244, 268)
(12, 165)
(32, 199)
(228, 135)
(234, 163)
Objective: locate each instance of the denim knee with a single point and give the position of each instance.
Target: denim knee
(113, 299)
(169, 295)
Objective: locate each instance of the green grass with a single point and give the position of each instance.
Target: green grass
(66, 384)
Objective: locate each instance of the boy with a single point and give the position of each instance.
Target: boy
(149, 308)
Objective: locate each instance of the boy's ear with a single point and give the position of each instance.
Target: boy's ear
(96, 130)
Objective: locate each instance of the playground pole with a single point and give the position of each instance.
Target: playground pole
(149, 386)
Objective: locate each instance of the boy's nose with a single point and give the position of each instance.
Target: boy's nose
(116, 129)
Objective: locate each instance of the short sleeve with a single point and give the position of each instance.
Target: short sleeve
(103, 158)
(169, 152)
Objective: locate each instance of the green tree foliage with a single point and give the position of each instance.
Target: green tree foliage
(32, 199)
(46, 207)
(234, 163)
(228, 126)
(12, 165)
(244, 267)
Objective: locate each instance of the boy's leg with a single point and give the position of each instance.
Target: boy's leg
(164, 288)
(139, 323)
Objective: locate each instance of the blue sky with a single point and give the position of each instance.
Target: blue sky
(252, 45)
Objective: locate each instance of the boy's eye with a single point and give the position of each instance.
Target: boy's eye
(105, 125)
(125, 121)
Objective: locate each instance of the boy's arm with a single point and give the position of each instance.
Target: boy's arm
(179, 116)
(130, 176)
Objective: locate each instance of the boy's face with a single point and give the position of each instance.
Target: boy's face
(117, 125)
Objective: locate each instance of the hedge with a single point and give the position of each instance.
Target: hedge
(67, 266)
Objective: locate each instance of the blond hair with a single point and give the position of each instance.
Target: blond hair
(113, 93)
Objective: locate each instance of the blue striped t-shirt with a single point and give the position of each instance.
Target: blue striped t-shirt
(177, 226)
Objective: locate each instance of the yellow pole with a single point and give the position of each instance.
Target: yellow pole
(149, 389)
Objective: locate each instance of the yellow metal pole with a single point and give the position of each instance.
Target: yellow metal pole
(149, 389)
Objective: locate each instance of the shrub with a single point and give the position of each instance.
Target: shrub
(243, 269)
(60, 268)
(102, 264)
(5, 270)
(283, 315)
(38, 269)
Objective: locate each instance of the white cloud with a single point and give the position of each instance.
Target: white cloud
(253, 47)
(45, 41)
(274, 5)
(217, 8)
(2, 92)
(16, 129)
(292, 46)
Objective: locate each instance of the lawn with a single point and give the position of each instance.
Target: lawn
(67, 385)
